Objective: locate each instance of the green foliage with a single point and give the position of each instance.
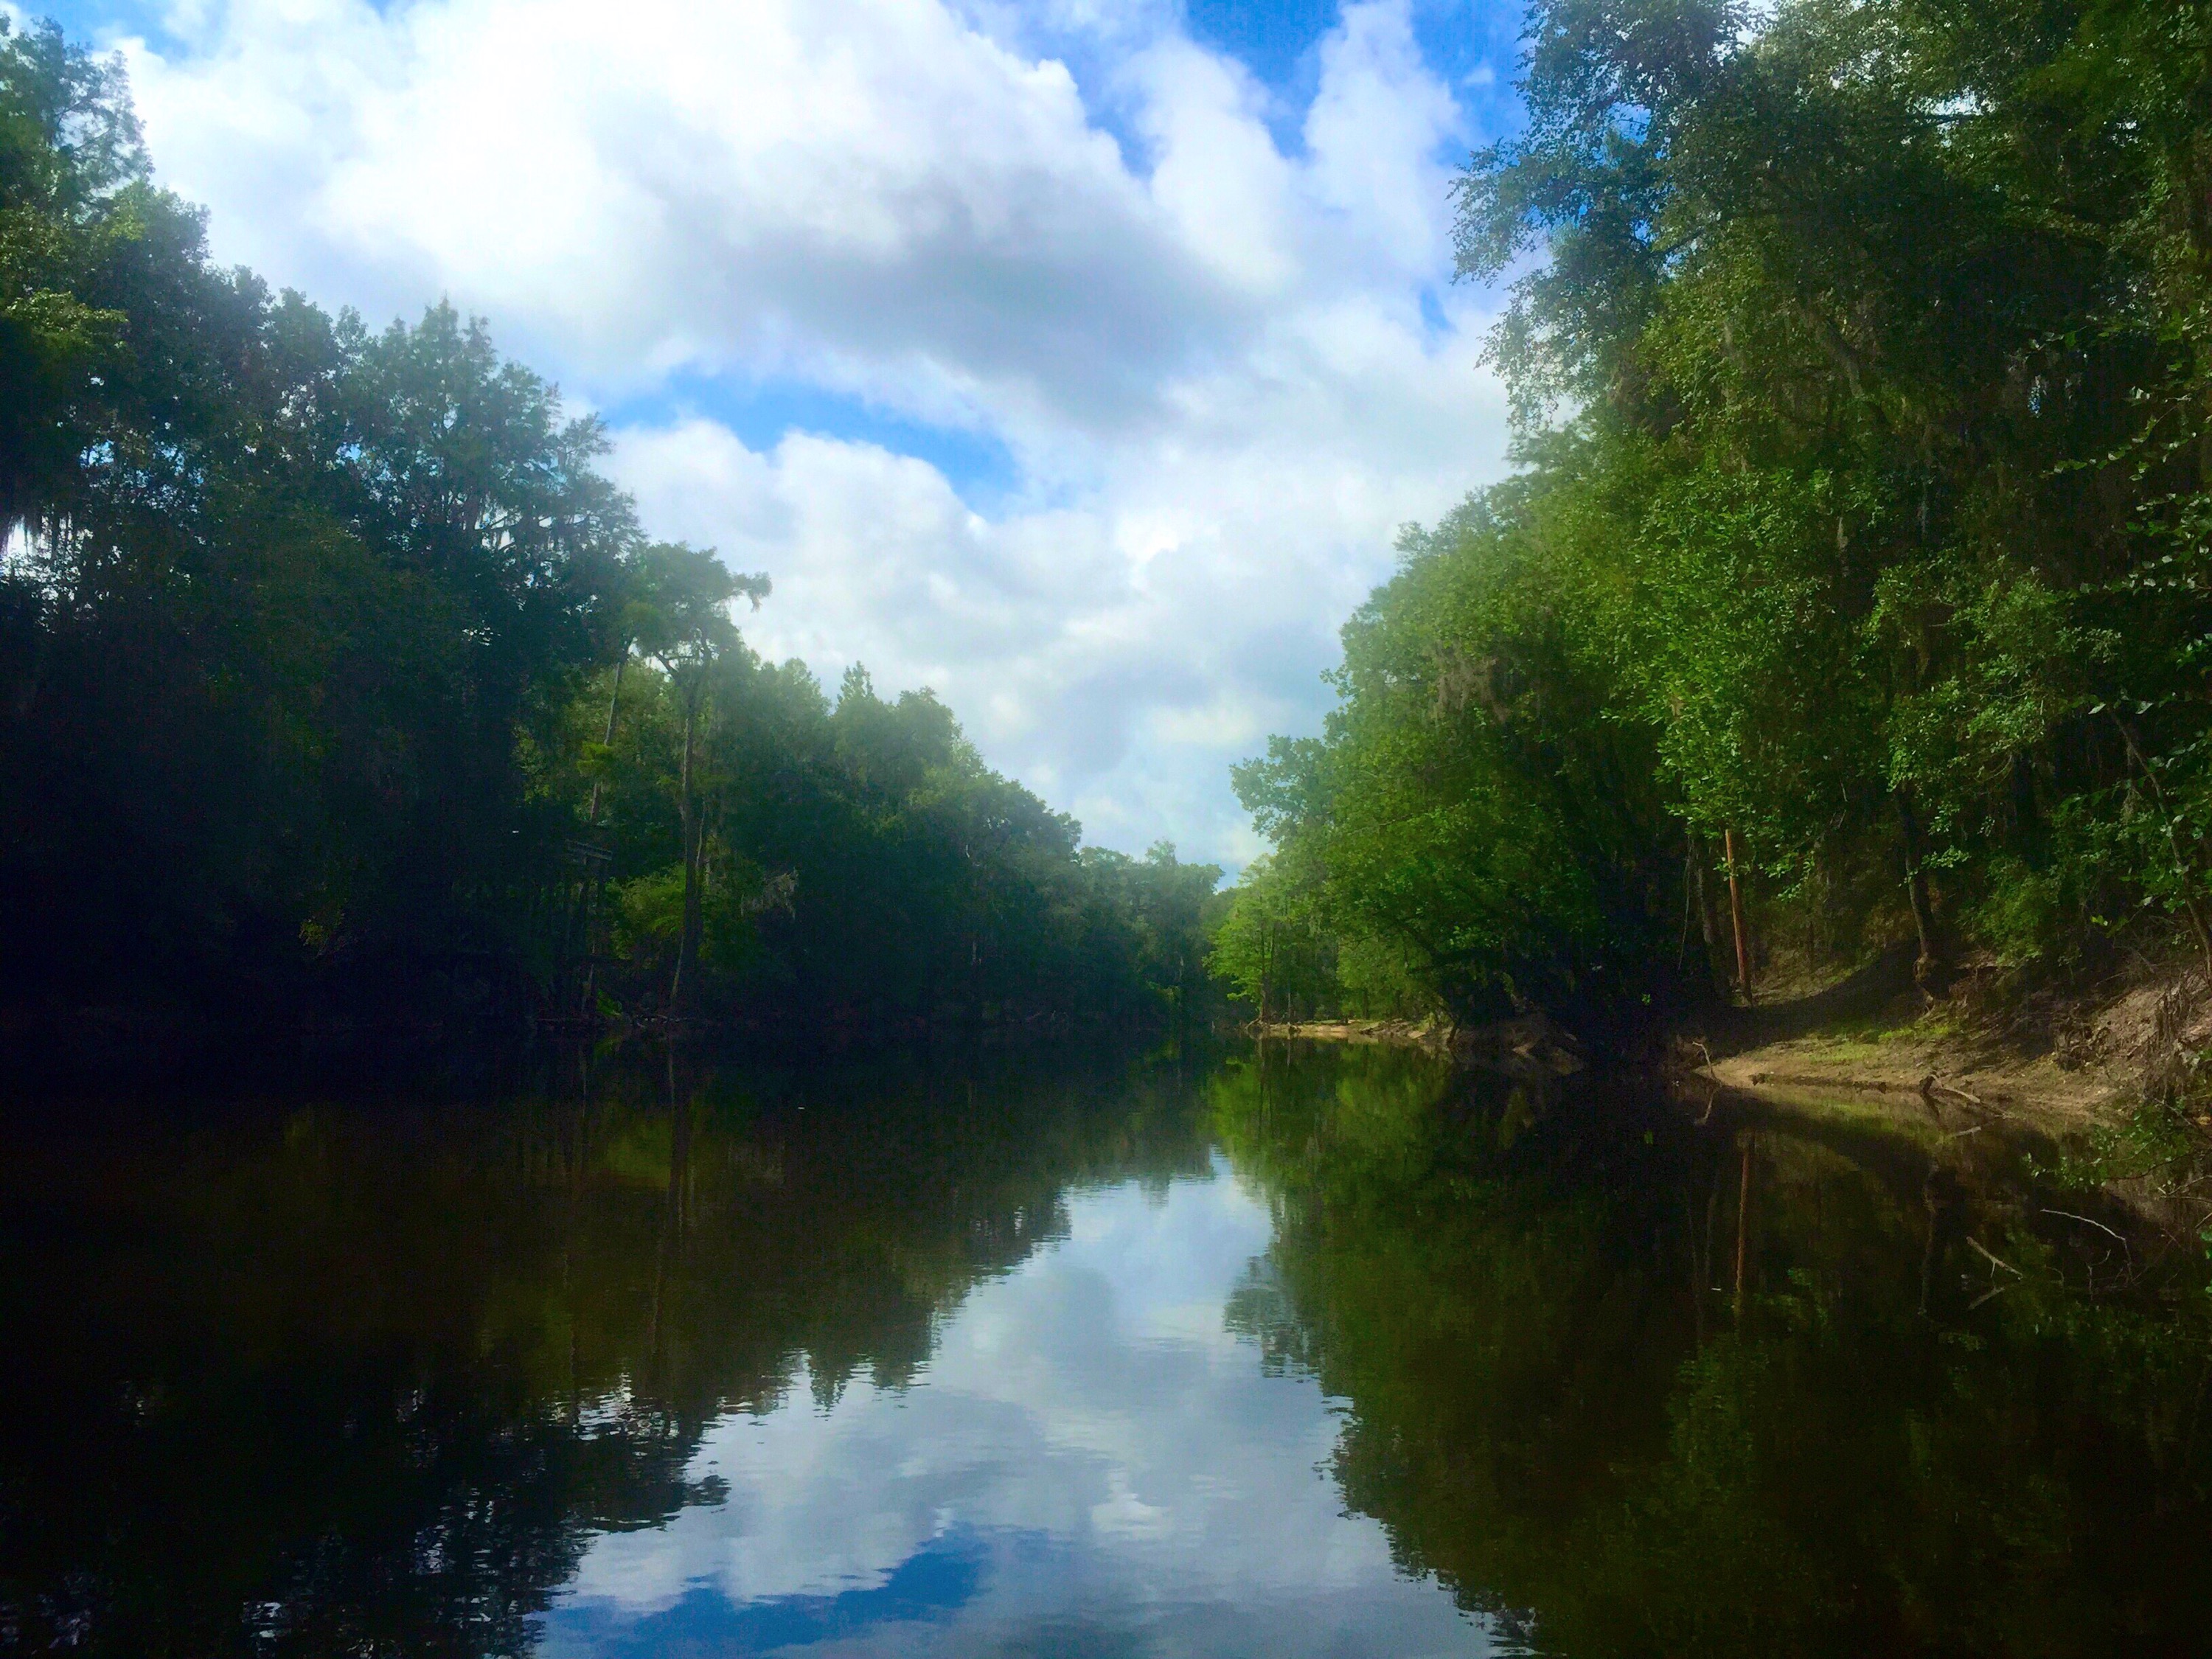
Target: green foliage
(1472, 814)
(857, 858)
(1270, 949)
(1861, 355)
(333, 673)
(72, 187)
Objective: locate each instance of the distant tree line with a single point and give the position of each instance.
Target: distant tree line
(1860, 553)
(336, 679)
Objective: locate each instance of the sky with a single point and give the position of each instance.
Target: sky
(1076, 358)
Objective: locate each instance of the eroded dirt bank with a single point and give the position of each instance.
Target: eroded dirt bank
(2100, 1079)
(1877, 1043)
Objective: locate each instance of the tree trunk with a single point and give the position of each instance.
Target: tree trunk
(2184, 867)
(1916, 888)
(1735, 915)
(614, 704)
(595, 877)
(687, 944)
(1701, 894)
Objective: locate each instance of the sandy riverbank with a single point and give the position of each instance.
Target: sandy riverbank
(1873, 1044)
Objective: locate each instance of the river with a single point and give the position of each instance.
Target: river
(1297, 1352)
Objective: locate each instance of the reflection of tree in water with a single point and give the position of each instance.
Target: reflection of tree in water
(367, 1381)
(1545, 1410)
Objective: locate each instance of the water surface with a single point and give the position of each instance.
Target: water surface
(1283, 1353)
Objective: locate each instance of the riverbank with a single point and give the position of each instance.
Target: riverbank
(1406, 1033)
(179, 1046)
(2094, 1082)
(2062, 1064)
(1924, 1065)
(1531, 1046)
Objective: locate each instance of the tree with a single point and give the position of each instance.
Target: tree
(321, 645)
(73, 187)
(1859, 358)
(678, 616)
(1268, 945)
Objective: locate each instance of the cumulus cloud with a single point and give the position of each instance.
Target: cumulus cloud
(1223, 371)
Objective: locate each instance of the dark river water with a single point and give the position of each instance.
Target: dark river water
(1269, 1353)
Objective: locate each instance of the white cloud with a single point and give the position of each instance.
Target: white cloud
(1207, 358)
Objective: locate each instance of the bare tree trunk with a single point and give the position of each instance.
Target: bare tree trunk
(1735, 915)
(1700, 896)
(595, 877)
(1709, 927)
(1916, 888)
(2184, 866)
(687, 944)
(614, 704)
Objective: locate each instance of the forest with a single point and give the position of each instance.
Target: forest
(341, 684)
(1853, 578)
(1858, 555)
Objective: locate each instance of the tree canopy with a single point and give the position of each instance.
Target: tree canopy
(336, 678)
(1858, 356)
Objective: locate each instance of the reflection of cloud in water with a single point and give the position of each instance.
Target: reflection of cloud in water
(1090, 1463)
(932, 1581)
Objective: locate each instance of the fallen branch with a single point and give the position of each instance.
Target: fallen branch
(2126, 1248)
(1928, 1085)
(2087, 1222)
(1994, 1261)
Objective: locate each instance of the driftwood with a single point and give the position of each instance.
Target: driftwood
(1531, 1046)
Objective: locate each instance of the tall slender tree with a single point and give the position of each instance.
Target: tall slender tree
(678, 615)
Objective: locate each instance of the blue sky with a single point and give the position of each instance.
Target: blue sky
(1079, 359)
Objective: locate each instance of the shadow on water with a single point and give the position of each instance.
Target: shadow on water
(309, 1378)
